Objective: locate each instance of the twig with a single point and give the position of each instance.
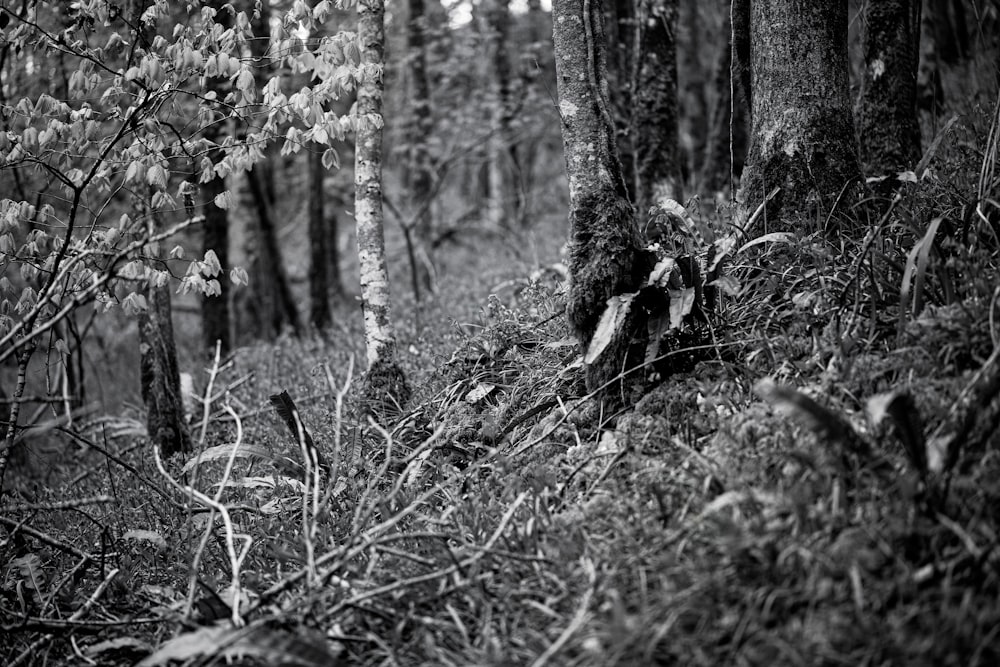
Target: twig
(27, 653)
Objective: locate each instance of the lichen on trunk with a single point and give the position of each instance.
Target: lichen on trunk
(380, 341)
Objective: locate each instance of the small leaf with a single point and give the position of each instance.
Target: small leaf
(238, 276)
(157, 176)
(331, 159)
(224, 200)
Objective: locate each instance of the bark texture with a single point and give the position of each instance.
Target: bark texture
(605, 252)
(159, 376)
(272, 299)
(420, 173)
(495, 27)
(726, 144)
(886, 113)
(657, 156)
(644, 65)
(385, 383)
(802, 138)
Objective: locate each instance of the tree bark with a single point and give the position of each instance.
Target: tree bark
(319, 282)
(658, 158)
(606, 251)
(385, 384)
(273, 296)
(495, 27)
(726, 145)
(802, 138)
(645, 75)
(691, 79)
(215, 237)
(159, 376)
(886, 112)
(420, 175)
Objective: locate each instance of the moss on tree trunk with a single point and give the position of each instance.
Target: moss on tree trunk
(802, 137)
(605, 247)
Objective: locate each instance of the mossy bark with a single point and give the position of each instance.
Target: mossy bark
(886, 113)
(802, 138)
(606, 251)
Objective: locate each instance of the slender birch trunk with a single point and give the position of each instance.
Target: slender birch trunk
(385, 383)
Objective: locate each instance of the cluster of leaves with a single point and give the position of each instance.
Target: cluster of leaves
(107, 168)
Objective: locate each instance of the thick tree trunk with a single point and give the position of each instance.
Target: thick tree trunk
(606, 252)
(802, 138)
(886, 112)
(159, 376)
(421, 178)
(385, 384)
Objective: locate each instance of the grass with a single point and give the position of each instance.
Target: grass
(510, 518)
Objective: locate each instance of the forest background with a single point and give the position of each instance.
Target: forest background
(223, 450)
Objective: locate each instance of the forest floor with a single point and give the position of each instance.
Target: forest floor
(819, 486)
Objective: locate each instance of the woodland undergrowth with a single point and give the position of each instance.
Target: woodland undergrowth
(818, 486)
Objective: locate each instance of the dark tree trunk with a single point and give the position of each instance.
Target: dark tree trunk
(951, 34)
(802, 138)
(215, 237)
(643, 68)
(605, 242)
(657, 155)
(419, 174)
(274, 296)
(495, 27)
(319, 281)
(691, 76)
(886, 113)
(159, 376)
(726, 145)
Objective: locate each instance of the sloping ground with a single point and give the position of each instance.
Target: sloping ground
(821, 488)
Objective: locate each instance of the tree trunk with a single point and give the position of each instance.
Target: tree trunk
(691, 78)
(421, 178)
(385, 385)
(726, 145)
(215, 315)
(644, 66)
(215, 237)
(268, 302)
(273, 293)
(658, 159)
(319, 283)
(159, 376)
(802, 137)
(605, 243)
(495, 28)
(886, 112)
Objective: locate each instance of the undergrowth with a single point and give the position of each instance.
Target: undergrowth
(819, 490)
